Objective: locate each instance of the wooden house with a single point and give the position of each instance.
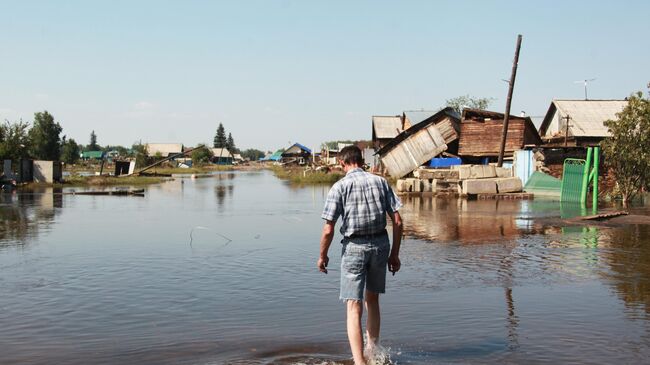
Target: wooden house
(420, 143)
(221, 156)
(481, 130)
(164, 149)
(578, 122)
(297, 154)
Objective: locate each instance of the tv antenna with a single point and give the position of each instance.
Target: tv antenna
(585, 82)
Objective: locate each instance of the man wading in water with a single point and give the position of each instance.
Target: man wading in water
(362, 200)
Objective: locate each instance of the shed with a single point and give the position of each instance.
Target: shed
(585, 121)
(164, 149)
(480, 134)
(420, 143)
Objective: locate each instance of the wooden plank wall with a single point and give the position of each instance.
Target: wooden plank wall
(414, 151)
(447, 130)
(484, 138)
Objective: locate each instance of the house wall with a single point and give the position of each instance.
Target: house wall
(47, 171)
(484, 138)
(414, 151)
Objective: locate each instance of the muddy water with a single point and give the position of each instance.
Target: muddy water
(222, 271)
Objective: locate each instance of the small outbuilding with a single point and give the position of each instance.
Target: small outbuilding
(221, 156)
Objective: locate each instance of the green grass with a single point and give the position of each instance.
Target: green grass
(76, 180)
(299, 176)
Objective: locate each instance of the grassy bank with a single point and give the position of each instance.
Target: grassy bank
(76, 180)
(301, 176)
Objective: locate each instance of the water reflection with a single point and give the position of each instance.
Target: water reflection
(224, 188)
(23, 214)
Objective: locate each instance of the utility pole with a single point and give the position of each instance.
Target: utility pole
(506, 118)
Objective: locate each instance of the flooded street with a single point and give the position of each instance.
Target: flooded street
(222, 270)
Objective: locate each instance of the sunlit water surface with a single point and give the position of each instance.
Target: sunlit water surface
(222, 271)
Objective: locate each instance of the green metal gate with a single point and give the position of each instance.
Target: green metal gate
(573, 180)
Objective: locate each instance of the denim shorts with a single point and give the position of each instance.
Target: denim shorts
(363, 266)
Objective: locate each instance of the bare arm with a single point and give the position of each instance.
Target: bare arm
(325, 242)
(394, 263)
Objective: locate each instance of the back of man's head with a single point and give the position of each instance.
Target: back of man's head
(351, 155)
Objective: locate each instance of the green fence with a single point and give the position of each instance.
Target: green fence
(573, 180)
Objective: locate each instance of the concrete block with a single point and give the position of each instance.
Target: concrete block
(426, 186)
(479, 186)
(401, 185)
(7, 170)
(489, 171)
(509, 185)
(434, 184)
(476, 172)
(47, 171)
(417, 186)
(464, 171)
(503, 172)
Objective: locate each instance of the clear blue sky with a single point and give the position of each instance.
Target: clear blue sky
(275, 72)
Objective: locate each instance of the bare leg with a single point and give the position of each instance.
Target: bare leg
(355, 310)
(374, 318)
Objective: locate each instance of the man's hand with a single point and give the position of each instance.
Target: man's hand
(394, 264)
(322, 263)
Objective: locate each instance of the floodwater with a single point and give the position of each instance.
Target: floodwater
(222, 270)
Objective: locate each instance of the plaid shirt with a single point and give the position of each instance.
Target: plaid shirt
(362, 199)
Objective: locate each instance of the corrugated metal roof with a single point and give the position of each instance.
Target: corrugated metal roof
(416, 116)
(587, 116)
(386, 126)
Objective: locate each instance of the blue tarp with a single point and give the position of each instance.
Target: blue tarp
(444, 162)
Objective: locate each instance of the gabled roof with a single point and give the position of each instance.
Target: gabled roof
(299, 146)
(221, 152)
(386, 126)
(586, 116)
(446, 112)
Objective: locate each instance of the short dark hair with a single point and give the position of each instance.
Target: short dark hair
(351, 155)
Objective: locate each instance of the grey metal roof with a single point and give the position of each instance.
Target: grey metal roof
(587, 116)
(386, 126)
(416, 116)
(221, 152)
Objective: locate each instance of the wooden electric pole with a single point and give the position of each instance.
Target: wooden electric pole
(506, 117)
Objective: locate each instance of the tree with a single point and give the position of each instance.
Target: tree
(93, 146)
(14, 140)
(230, 144)
(140, 154)
(627, 151)
(220, 137)
(44, 137)
(201, 156)
(69, 151)
(465, 101)
(252, 154)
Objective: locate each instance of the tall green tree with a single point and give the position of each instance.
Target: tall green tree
(45, 137)
(627, 151)
(14, 140)
(230, 144)
(220, 138)
(465, 101)
(140, 153)
(201, 156)
(70, 151)
(93, 146)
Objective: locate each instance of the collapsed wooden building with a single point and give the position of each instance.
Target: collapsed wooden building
(481, 132)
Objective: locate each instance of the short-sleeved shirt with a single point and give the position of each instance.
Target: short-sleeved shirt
(362, 200)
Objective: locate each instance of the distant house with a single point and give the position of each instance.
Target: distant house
(92, 155)
(481, 130)
(273, 157)
(237, 158)
(164, 149)
(582, 119)
(298, 154)
(384, 129)
(221, 156)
